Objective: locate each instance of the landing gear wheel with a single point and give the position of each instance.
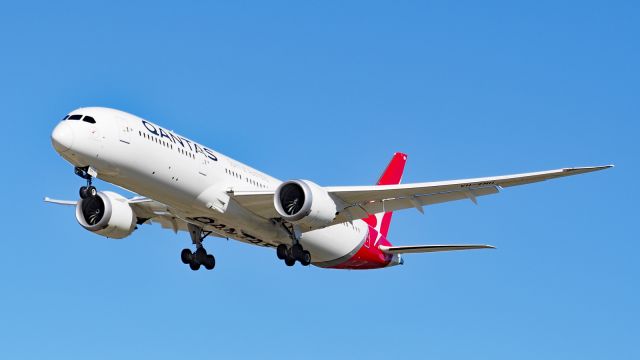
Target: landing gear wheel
(281, 251)
(83, 192)
(201, 255)
(91, 191)
(195, 266)
(186, 256)
(305, 260)
(290, 261)
(210, 263)
(296, 251)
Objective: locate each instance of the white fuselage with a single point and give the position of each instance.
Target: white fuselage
(191, 179)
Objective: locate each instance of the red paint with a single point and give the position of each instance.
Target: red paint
(369, 255)
(393, 173)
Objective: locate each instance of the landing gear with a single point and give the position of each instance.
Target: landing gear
(290, 255)
(305, 259)
(195, 266)
(185, 256)
(200, 256)
(296, 252)
(89, 190)
(281, 251)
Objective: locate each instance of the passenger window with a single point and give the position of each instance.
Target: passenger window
(89, 119)
(75, 117)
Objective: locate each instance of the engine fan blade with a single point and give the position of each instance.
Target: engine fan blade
(93, 210)
(94, 216)
(293, 207)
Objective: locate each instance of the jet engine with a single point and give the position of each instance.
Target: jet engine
(304, 203)
(107, 214)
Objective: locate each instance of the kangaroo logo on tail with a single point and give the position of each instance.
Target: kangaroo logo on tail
(392, 175)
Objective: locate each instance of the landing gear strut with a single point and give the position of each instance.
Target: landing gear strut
(295, 252)
(200, 256)
(89, 190)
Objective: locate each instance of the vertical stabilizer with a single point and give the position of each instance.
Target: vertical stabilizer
(390, 176)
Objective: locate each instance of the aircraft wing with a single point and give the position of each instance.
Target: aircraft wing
(156, 212)
(358, 202)
(146, 210)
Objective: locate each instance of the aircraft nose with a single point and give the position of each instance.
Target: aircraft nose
(62, 137)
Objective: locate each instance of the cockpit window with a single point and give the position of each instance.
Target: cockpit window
(89, 119)
(75, 117)
(65, 118)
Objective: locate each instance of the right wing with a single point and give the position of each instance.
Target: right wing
(364, 200)
(358, 202)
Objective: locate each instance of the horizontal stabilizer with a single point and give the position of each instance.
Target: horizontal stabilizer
(60, 202)
(430, 248)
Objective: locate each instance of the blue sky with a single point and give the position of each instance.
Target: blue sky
(328, 91)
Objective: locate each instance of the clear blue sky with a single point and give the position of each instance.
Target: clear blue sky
(328, 91)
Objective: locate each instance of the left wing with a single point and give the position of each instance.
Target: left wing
(358, 202)
(146, 210)
(429, 248)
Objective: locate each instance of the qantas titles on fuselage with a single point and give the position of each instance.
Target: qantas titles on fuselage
(175, 139)
(185, 186)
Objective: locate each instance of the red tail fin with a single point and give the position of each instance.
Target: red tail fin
(393, 173)
(391, 176)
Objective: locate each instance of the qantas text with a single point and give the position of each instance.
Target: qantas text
(158, 131)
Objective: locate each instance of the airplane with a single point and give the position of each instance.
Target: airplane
(185, 186)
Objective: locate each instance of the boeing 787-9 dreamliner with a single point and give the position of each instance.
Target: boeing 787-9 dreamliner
(186, 186)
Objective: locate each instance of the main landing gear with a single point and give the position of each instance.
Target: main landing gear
(89, 190)
(296, 252)
(293, 253)
(200, 256)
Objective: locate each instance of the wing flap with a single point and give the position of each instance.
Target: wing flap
(430, 248)
(258, 202)
(417, 201)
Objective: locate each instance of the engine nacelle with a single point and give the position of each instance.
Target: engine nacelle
(107, 214)
(304, 203)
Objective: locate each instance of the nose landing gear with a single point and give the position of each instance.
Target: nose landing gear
(89, 190)
(200, 256)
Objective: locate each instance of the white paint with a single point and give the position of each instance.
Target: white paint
(191, 184)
